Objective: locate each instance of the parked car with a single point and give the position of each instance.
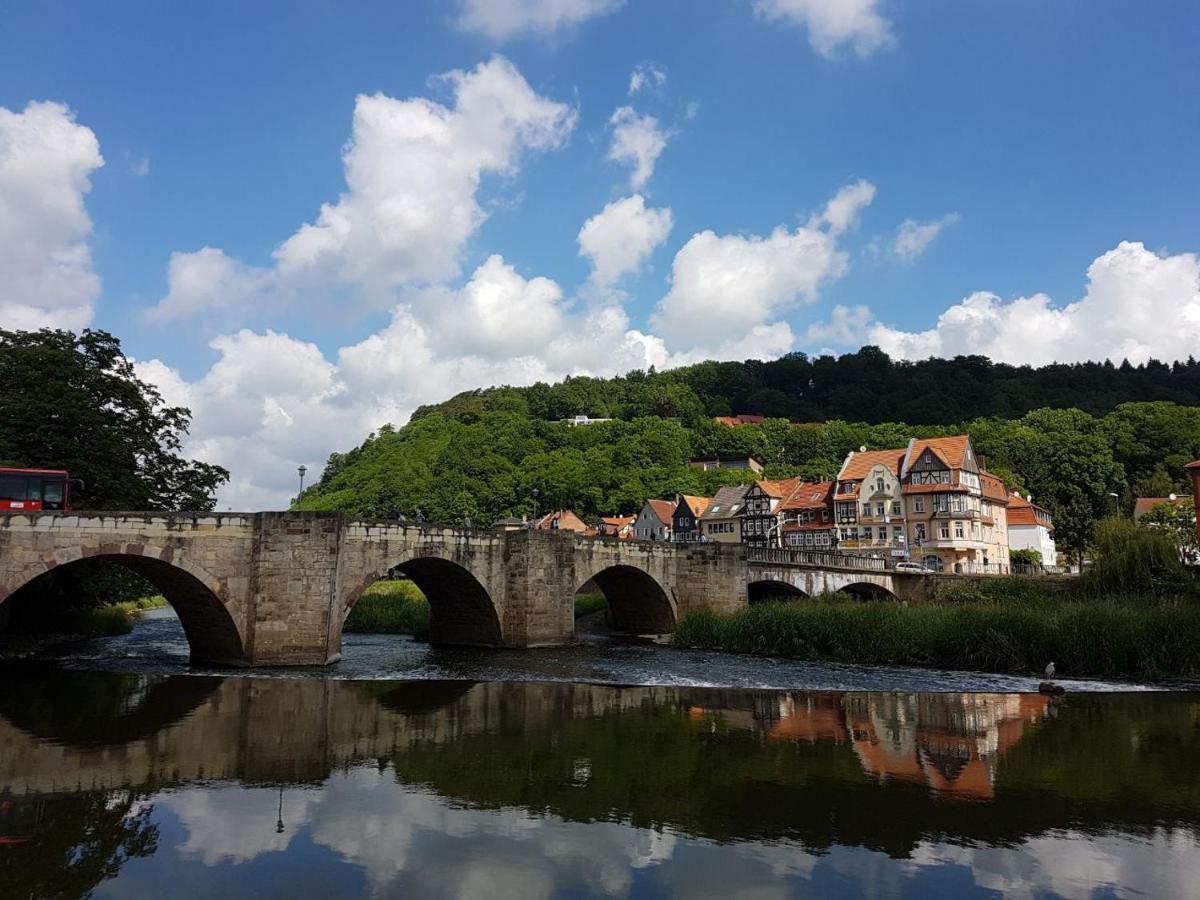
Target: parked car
(912, 568)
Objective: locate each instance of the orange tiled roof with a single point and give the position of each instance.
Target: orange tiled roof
(696, 504)
(618, 521)
(738, 420)
(782, 489)
(567, 521)
(664, 509)
(950, 450)
(1022, 512)
(860, 462)
(809, 495)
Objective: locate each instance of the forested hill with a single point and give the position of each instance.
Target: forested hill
(866, 386)
(1071, 435)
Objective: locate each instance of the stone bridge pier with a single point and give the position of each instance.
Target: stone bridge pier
(270, 589)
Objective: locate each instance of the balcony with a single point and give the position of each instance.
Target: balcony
(963, 514)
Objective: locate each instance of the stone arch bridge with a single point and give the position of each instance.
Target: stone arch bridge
(270, 589)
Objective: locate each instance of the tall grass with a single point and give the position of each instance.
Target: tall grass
(1122, 637)
(390, 607)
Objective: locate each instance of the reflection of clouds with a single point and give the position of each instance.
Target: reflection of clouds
(412, 842)
(1070, 864)
(238, 825)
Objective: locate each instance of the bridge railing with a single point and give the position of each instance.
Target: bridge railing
(784, 556)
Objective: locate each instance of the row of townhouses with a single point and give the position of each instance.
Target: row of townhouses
(931, 501)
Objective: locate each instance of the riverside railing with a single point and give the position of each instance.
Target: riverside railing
(784, 556)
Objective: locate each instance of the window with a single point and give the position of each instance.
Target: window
(958, 529)
(895, 507)
(12, 487)
(879, 485)
(897, 533)
(944, 531)
(879, 507)
(921, 532)
(919, 504)
(52, 492)
(866, 509)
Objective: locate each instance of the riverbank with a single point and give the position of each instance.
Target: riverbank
(1148, 640)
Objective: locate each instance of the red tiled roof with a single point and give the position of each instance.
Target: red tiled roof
(738, 420)
(664, 509)
(1022, 512)
(618, 521)
(860, 462)
(567, 521)
(782, 489)
(809, 495)
(950, 450)
(1143, 505)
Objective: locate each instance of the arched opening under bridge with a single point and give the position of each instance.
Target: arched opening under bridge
(770, 591)
(637, 603)
(212, 635)
(459, 608)
(866, 590)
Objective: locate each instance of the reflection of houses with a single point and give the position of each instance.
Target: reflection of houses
(1031, 528)
(722, 520)
(685, 525)
(950, 742)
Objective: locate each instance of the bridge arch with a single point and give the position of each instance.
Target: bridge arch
(197, 597)
(461, 611)
(637, 602)
(767, 589)
(867, 590)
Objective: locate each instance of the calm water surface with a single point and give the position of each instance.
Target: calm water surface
(153, 781)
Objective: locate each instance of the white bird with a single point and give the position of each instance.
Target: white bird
(1050, 670)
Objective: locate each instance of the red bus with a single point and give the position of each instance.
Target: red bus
(34, 489)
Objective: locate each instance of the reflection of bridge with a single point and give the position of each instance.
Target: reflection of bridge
(275, 588)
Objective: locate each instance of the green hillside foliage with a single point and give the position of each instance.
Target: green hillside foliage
(482, 454)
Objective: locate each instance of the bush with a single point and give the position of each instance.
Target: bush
(1136, 562)
(586, 604)
(1031, 558)
(390, 607)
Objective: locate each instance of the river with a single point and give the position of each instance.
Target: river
(608, 769)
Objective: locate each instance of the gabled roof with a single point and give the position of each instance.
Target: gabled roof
(696, 504)
(1022, 512)
(860, 462)
(782, 489)
(567, 521)
(809, 495)
(664, 509)
(738, 420)
(726, 502)
(950, 450)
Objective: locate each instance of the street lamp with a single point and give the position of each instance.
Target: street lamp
(1116, 502)
(302, 471)
(534, 495)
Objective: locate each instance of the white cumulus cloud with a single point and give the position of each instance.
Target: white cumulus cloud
(832, 23)
(413, 170)
(501, 20)
(620, 237)
(723, 287)
(1138, 304)
(638, 141)
(46, 163)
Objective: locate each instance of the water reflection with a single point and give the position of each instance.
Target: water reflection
(125, 784)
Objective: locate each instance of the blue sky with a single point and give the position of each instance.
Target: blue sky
(1042, 155)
